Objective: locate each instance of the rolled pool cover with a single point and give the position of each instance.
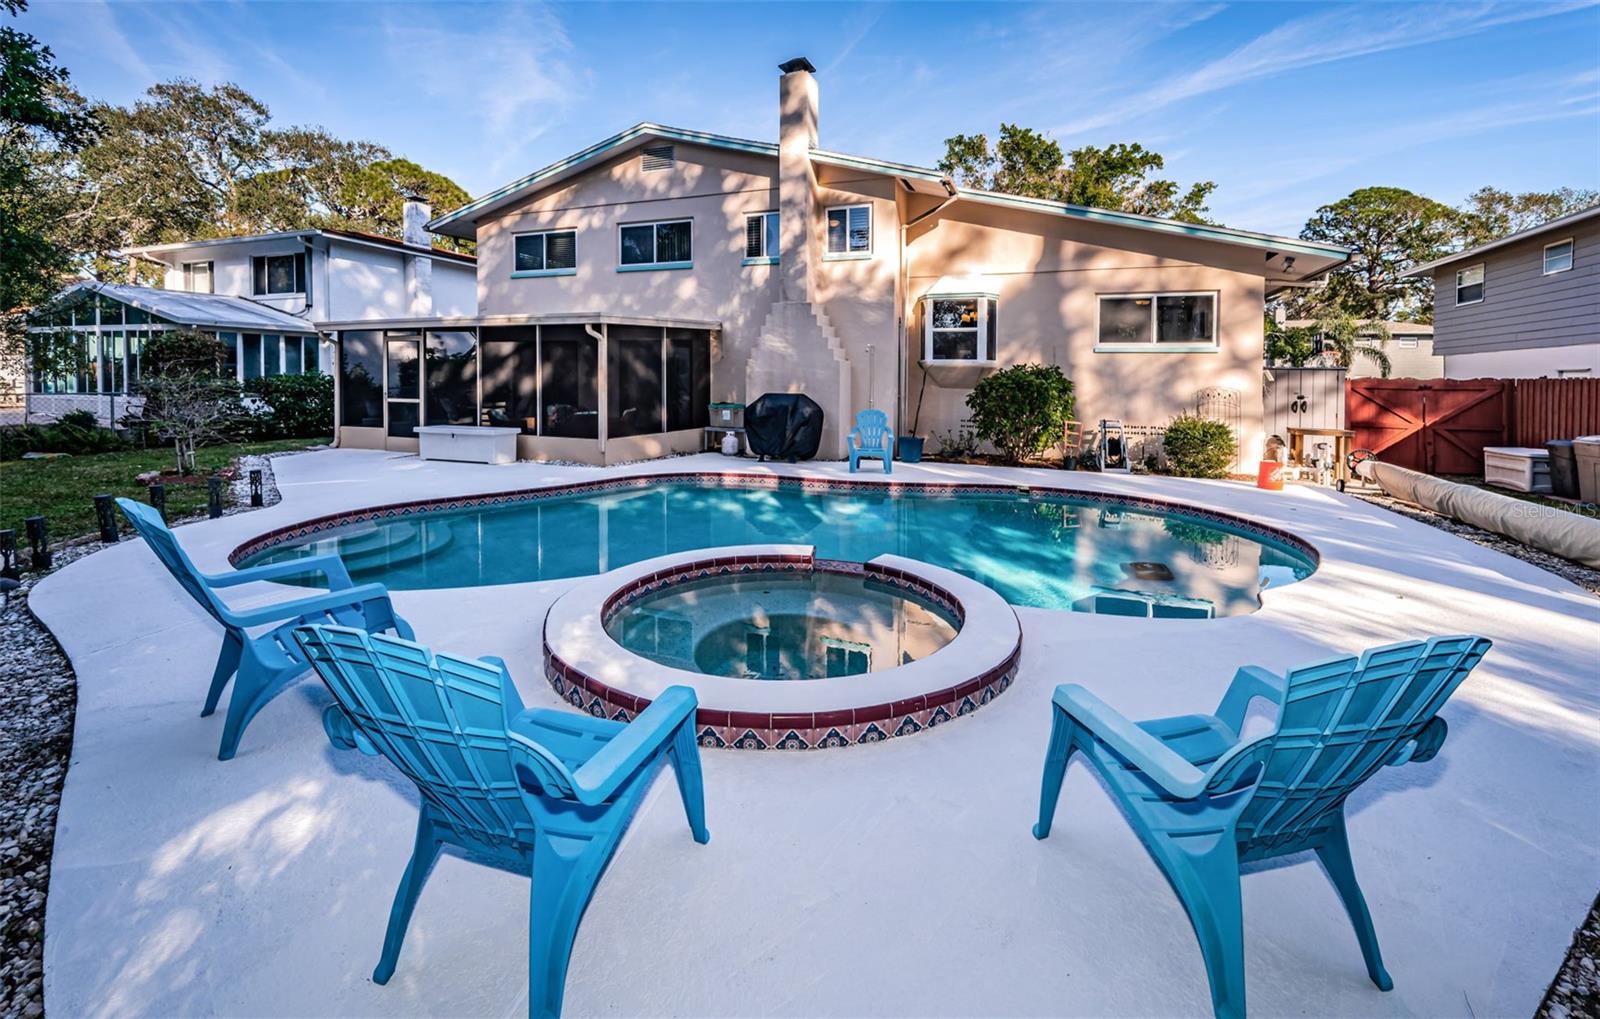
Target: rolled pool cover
(1557, 531)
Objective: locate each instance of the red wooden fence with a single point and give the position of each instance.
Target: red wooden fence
(1545, 409)
(1440, 426)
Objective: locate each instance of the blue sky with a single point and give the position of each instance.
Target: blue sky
(1286, 106)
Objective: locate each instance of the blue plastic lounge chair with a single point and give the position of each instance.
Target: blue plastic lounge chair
(549, 792)
(1203, 801)
(263, 664)
(870, 438)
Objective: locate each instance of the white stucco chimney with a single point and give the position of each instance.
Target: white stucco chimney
(797, 350)
(797, 136)
(414, 218)
(419, 267)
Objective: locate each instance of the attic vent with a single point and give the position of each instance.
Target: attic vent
(657, 157)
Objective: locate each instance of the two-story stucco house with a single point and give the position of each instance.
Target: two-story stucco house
(266, 297)
(1524, 306)
(625, 287)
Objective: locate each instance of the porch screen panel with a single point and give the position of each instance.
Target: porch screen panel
(688, 379)
(510, 366)
(569, 373)
(633, 380)
(404, 385)
(451, 379)
(361, 379)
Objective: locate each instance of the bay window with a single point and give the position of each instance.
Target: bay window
(959, 328)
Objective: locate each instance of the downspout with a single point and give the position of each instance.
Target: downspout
(951, 194)
(600, 382)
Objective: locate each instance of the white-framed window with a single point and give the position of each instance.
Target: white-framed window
(1407, 343)
(278, 274)
(1558, 257)
(846, 657)
(546, 253)
(849, 229)
(664, 244)
(1469, 284)
(197, 277)
(761, 238)
(1157, 321)
(959, 328)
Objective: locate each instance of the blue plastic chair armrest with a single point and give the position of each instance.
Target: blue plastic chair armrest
(329, 565)
(316, 603)
(1422, 747)
(342, 732)
(1249, 682)
(1160, 763)
(601, 775)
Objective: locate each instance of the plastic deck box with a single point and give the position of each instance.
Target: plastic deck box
(1586, 450)
(1520, 467)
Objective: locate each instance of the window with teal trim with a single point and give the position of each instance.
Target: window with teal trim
(850, 231)
(548, 251)
(664, 243)
(761, 236)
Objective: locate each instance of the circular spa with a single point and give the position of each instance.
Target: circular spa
(784, 650)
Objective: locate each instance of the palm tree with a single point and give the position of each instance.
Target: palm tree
(1348, 338)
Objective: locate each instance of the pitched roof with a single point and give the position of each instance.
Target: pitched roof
(356, 236)
(211, 311)
(461, 222)
(1562, 223)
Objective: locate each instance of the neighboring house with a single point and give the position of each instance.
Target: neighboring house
(266, 297)
(624, 287)
(1410, 350)
(1524, 306)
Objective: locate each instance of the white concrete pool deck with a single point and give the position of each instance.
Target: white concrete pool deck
(896, 879)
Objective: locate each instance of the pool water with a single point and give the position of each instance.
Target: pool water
(1044, 551)
(786, 625)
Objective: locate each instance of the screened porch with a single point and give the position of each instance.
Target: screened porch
(589, 388)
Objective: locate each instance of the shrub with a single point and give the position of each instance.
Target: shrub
(78, 433)
(182, 352)
(1021, 409)
(296, 406)
(1198, 447)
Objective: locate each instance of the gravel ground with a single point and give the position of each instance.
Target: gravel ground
(1575, 991)
(37, 698)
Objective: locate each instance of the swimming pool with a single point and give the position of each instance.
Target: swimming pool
(1036, 547)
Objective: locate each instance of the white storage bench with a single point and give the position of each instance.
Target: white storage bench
(1517, 467)
(472, 443)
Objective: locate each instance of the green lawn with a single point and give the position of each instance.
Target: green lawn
(63, 489)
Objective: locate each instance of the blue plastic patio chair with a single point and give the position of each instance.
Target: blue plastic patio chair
(1203, 801)
(265, 664)
(546, 792)
(871, 438)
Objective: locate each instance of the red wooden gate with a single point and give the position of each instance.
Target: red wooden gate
(1439, 426)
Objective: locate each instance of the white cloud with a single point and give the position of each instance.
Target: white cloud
(1341, 33)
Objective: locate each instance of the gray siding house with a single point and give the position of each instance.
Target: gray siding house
(1524, 306)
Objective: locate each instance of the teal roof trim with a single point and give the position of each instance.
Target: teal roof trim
(602, 148)
(1199, 231)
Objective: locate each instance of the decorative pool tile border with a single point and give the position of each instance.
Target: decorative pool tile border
(805, 730)
(733, 479)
